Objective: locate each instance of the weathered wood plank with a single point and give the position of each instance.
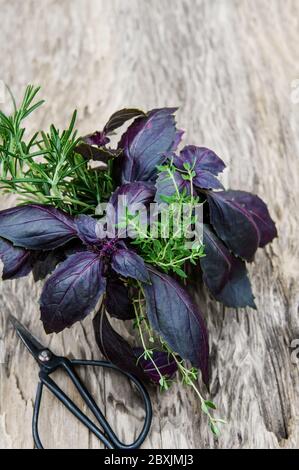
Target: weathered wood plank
(229, 65)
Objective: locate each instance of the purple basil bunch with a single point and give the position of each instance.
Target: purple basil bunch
(83, 267)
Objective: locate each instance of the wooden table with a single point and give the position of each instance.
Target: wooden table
(231, 66)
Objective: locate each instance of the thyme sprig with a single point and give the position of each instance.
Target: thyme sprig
(188, 375)
(171, 250)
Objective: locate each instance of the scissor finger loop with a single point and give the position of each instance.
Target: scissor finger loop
(109, 438)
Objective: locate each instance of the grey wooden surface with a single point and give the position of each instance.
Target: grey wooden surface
(230, 65)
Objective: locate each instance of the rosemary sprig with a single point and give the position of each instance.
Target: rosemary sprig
(46, 168)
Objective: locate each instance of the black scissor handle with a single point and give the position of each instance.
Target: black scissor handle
(108, 437)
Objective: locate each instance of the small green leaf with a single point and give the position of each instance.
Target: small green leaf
(167, 199)
(180, 272)
(210, 404)
(215, 430)
(194, 373)
(164, 384)
(162, 168)
(204, 408)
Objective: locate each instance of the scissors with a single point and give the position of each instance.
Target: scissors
(48, 363)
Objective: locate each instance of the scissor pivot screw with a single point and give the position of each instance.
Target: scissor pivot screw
(44, 356)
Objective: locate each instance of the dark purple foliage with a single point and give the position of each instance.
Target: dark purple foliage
(94, 146)
(44, 262)
(36, 227)
(145, 145)
(128, 264)
(97, 138)
(134, 194)
(177, 140)
(86, 230)
(99, 154)
(16, 261)
(114, 347)
(173, 316)
(224, 274)
(165, 363)
(259, 213)
(204, 162)
(120, 117)
(205, 165)
(19, 262)
(75, 287)
(241, 220)
(72, 291)
(117, 300)
(77, 284)
(165, 185)
(129, 198)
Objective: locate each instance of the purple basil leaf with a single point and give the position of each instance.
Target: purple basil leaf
(129, 198)
(204, 162)
(233, 223)
(72, 291)
(87, 230)
(99, 154)
(206, 180)
(224, 274)
(237, 292)
(75, 246)
(177, 139)
(44, 263)
(166, 186)
(258, 210)
(216, 263)
(134, 194)
(120, 117)
(145, 145)
(98, 139)
(104, 154)
(166, 365)
(128, 264)
(201, 159)
(16, 261)
(36, 227)
(117, 301)
(173, 315)
(114, 347)
(242, 221)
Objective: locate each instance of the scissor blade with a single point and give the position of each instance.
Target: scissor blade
(31, 343)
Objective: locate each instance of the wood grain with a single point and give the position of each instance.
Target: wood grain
(229, 65)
